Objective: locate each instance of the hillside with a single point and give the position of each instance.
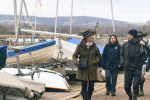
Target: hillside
(77, 20)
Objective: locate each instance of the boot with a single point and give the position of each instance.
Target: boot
(90, 92)
(135, 94)
(141, 88)
(84, 94)
(130, 95)
(108, 92)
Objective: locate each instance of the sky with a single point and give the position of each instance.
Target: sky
(124, 10)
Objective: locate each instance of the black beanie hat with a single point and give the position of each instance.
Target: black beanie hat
(133, 32)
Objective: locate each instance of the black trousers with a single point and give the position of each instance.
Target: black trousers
(134, 76)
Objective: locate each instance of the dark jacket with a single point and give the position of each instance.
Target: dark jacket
(131, 57)
(91, 72)
(111, 51)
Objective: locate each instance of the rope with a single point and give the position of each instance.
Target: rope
(33, 11)
(63, 9)
(84, 15)
(48, 6)
(108, 13)
(43, 21)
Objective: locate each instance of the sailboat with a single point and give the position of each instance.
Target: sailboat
(34, 55)
(51, 79)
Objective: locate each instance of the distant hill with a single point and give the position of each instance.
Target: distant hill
(148, 22)
(139, 24)
(77, 20)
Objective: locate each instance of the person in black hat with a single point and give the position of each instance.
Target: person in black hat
(132, 61)
(87, 51)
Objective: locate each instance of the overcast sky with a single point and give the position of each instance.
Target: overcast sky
(124, 10)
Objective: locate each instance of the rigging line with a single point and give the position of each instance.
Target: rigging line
(47, 9)
(24, 23)
(84, 14)
(104, 15)
(24, 28)
(63, 10)
(104, 8)
(26, 34)
(136, 15)
(77, 21)
(43, 21)
(75, 25)
(108, 13)
(110, 26)
(48, 6)
(33, 11)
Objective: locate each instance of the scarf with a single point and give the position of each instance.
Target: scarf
(89, 44)
(113, 45)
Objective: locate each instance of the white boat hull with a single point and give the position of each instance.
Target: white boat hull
(38, 56)
(51, 79)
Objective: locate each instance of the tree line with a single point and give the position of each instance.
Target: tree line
(6, 29)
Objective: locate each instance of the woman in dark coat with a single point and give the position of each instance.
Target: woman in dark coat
(87, 49)
(111, 63)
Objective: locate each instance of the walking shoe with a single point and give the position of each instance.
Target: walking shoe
(113, 94)
(134, 96)
(108, 92)
(130, 95)
(90, 92)
(141, 88)
(84, 94)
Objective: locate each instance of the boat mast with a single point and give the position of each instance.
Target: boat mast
(16, 24)
(26, 10)
(27, 18)
(33, 35)
(112, 16)
(15, 17)
(71, 17)
(56, 17)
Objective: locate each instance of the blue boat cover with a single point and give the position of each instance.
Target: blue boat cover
(76, 41)
(40, 38)
(3, 48)
(31, 48)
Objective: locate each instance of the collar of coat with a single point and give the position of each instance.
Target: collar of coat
(113, 45)
(134, 42)
(89, 44)
(85, 48)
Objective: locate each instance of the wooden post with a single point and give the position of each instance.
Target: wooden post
(97, 30)
(9, 42)
(45, 39)
(24, 41)
(31, 39)
(42, 39)
(1, 42)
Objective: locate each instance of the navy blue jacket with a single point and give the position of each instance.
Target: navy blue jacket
(112, 50)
